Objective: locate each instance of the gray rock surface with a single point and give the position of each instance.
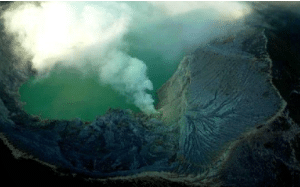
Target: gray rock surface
(220, 91)
(227, 119)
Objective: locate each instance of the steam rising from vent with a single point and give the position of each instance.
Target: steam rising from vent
(78, 33)
(61, 32)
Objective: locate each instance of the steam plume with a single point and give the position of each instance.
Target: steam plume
(76, 33)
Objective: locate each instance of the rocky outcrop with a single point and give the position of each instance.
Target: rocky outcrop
(265, 157)
(226, 119)
(219, 92)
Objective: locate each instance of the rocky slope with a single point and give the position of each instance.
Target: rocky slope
(218, 92)
(229, 117)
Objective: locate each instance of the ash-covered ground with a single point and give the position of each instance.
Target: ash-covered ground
(229, 116)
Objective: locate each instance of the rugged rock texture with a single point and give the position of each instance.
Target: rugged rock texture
(220, 91)
(266, 157)
(229, 117)
(113, 145)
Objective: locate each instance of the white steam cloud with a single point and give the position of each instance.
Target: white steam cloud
(76, 33)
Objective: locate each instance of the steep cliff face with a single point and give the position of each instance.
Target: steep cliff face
(221, 90)
(173, 94)
(269, 155)
(13, 73)
(234, 123)
(222, 123)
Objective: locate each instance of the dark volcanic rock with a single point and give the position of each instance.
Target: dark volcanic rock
(225, 89)
(229, 117)
(265, 157)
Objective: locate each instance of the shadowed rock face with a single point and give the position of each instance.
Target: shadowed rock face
(227, 90)
(222, 123)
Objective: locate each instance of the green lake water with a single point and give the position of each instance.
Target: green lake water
(161, 44)
(66, 93)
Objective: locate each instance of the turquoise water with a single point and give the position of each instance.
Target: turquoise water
(66, 93)
(158, 39)
(161, 45)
